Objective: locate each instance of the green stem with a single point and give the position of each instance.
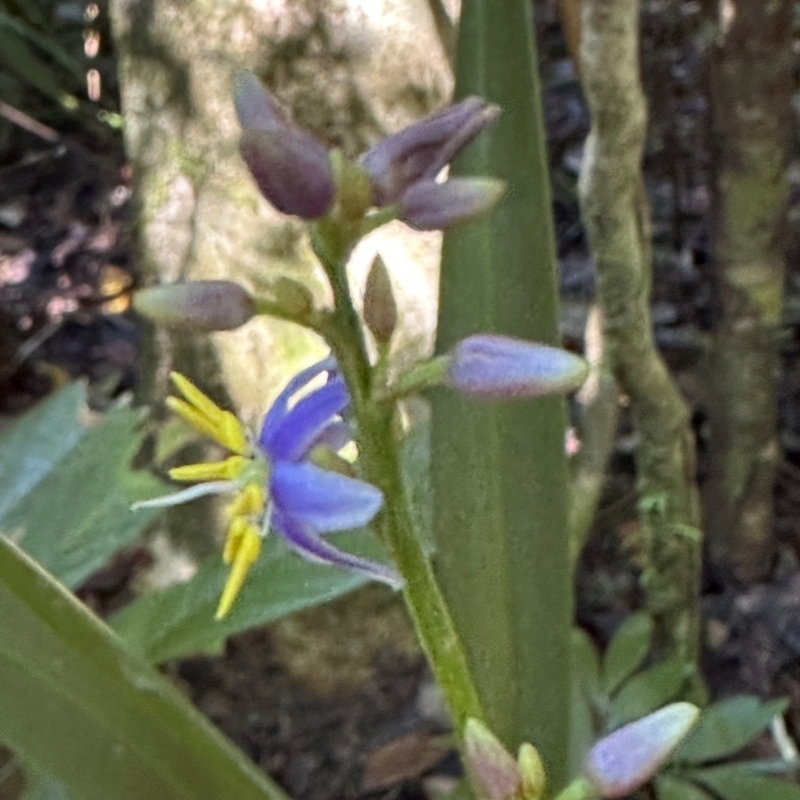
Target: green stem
(380, 459)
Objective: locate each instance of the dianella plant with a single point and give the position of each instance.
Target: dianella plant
(488, 589)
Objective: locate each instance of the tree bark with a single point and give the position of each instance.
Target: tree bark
(617, 218)
(751, 87)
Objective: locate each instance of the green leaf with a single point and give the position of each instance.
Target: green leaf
(726, 727)
(627, 650)
(102, 722)
(647, 691)
(20, 58)
(47, 42)
(180, 620)
(500, 477)
(669, 788)
(581, 728)
(41, 786)
(738, 782)
(585, 664)
(67, 484)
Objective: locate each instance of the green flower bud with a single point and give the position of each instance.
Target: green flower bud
(531, 768)
(380, 309)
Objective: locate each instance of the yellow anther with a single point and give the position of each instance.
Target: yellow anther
(193, 417)
(249, 502)
(246, 554)
(204, 404)
(225, 470)
(233, 538)
(225, 428)
(232, 434)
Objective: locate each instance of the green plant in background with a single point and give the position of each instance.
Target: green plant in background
(624, 686)
(24, 38)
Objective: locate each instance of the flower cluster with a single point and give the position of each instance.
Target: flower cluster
(294, 172)
(274, 482)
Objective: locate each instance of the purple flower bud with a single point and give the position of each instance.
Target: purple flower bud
(499, 367)
(626, 759)
(197, 305)
(255, 106)
(493, 769)
(422, 150)
(290, 166)
(430, 206)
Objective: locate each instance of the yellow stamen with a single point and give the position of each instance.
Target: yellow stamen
(204, 404)
(233, 434)
(225, 429)
(192, 416)
(249, 502)
(233, 539)
(247, 552)
(225, 470)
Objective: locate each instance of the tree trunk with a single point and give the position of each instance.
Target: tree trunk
(751, 86)
(617, 218)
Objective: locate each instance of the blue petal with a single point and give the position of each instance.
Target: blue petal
(335, 436)
(323, 500)
(305, 542)
(280, 408)
(300, 428)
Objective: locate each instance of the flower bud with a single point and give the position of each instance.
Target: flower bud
(531, 768)
(630, 756)
(491, 766)
(499, 367)
(380, 309)
(256, 108)
(197, 305)
(430, 206)
(423, 149)
(290, 166)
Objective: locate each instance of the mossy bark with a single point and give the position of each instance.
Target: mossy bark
(616, 214)
(751, 85)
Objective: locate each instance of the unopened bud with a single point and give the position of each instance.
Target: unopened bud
(290, 166)
(531, 768)
(422, 150)
(256, 108)
(630, 756)
(380, 309)
(500, 367)
(430, 206)
(493, 769)
(291, 169)
(197, 305)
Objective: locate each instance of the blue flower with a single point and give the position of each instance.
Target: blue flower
(274, 480)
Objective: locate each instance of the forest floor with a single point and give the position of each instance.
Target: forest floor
(66, 267)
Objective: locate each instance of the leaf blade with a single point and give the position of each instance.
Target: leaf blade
(72, 696)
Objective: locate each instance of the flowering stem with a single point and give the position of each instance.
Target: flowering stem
(379, 454)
